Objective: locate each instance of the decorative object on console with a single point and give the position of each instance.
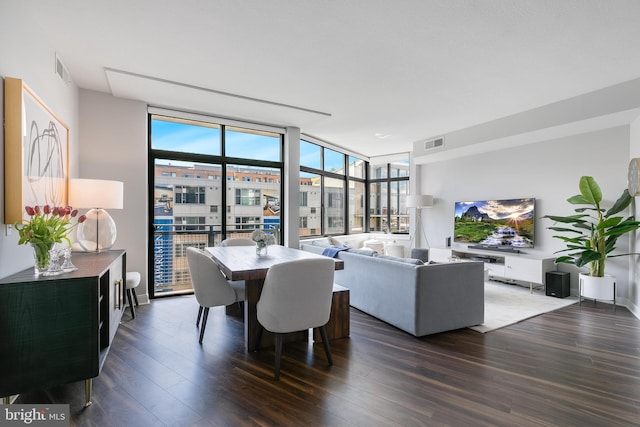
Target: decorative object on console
(419, 202)
(592, 233)
(98, 233)
(45, 227)
(263, 240)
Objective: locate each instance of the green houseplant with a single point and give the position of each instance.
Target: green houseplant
(592, 233)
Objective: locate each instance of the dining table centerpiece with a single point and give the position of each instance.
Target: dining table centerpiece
(263, 240)
(44, 228)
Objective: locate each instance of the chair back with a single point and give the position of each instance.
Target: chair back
(297, 295)
(209, 284)
(238, 241)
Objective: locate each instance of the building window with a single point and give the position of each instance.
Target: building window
(189, 195)
(190, 223)
(247, 197)
(334, 199)
(248, 223)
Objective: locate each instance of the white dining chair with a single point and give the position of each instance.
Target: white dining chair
(210, 286)
(238, 241)
(296, 296)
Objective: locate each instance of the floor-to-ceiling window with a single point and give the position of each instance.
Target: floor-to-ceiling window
(209, 179)
(388, 189)
(332, 191)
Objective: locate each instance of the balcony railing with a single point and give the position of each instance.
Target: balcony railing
(170, 243)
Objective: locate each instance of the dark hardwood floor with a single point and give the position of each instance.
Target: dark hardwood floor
(578, 366)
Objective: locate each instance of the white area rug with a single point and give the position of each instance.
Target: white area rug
(506, 304)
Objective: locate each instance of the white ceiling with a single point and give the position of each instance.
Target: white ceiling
(347, 72)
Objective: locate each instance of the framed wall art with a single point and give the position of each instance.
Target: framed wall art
(36, 152)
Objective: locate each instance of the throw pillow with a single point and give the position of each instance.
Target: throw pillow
(334, 242)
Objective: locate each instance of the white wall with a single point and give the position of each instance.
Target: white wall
(547, 170)
(113, 135)
(26, 54)
(633, 295)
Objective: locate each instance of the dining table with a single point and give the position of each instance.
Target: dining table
(242, 263)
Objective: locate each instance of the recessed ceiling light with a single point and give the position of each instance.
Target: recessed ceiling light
(382, 135)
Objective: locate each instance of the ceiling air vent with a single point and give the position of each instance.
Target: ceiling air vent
(434, 143)
(62, 71)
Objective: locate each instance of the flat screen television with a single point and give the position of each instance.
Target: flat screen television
(495, 223)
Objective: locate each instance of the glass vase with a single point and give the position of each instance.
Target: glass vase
(261, 249)
(41, 255)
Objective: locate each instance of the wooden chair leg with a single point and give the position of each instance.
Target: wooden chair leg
(135, 296)
(325, 343)
(133, 312)
(259, 335)
(276, 366)
(205, 314)
(199, 316)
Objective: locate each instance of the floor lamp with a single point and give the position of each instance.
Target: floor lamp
(419, 202)
(98, 232)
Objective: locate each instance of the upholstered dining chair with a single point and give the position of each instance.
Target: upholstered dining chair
(212, 289)
(237, 241)
(296, 296)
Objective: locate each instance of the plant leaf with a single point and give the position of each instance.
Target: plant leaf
(590, 190)
(621, 204)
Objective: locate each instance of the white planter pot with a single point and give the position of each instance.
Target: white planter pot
(597, 288)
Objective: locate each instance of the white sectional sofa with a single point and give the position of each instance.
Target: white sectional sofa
(418, 298)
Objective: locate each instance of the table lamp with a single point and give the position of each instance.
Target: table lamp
(98, 232)
(419, 202)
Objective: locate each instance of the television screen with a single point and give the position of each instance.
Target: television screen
(495, 223)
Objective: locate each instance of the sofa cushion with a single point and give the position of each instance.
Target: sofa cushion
(336, 242)
(363, 251)
(321, 243)
(405, 260)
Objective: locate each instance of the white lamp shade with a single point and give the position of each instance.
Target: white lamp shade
(96, 193)
(420, 201)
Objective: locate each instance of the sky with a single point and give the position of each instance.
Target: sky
(189, 138)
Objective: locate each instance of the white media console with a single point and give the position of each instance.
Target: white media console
(501, 265)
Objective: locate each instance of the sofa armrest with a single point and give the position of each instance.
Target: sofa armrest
(449, 296)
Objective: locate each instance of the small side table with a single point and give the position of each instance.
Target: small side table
(339, 320)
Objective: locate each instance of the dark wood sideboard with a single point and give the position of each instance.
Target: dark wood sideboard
(58, 329)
